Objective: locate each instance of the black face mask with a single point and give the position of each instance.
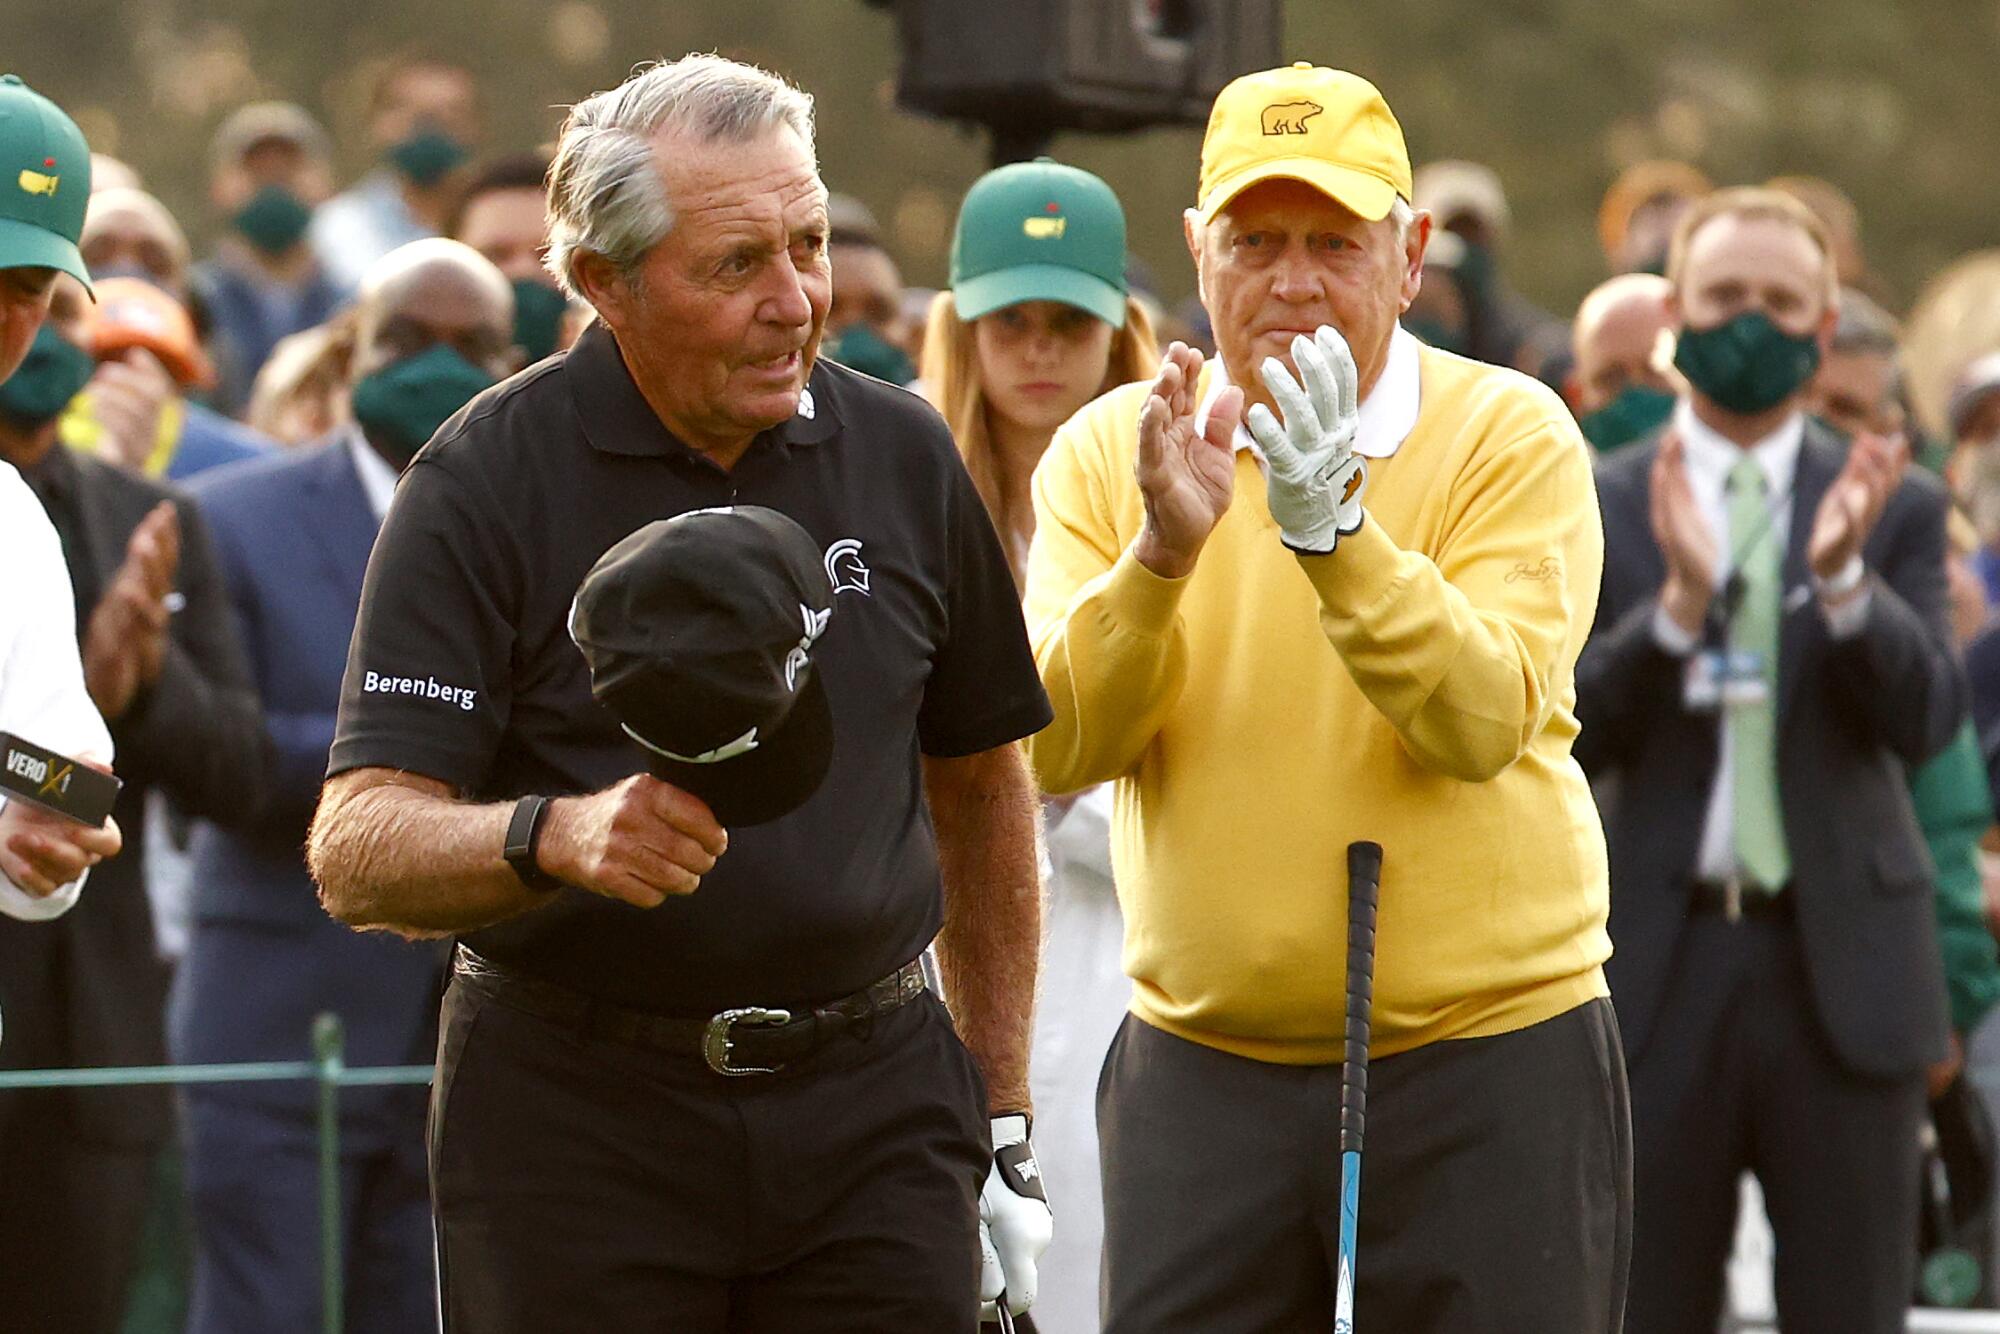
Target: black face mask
(1748, 364)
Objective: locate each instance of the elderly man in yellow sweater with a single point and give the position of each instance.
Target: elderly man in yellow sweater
(1351, 612)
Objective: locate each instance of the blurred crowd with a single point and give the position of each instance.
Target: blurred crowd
(329, 321)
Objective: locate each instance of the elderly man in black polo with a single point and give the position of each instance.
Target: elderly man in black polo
(687, 1078)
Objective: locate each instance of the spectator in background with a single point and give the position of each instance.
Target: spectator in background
(1640, 211)
(866, 327)
(1441, 312)
(110, 173)
(1772, 652)
(294, 535)
(163, 666)
(1854, 389)
(1620, 387)
(1032, 329)
(504, 215)
(1501, 326)
(130, 234)
(269, 168)
(1974, 411)
(135, 411)
(1836, 212)
(423, 120)
(301, 394)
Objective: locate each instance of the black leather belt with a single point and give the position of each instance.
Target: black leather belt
(1740, 901)
(750, 1040)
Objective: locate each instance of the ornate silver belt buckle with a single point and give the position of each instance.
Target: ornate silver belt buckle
(716, 1042)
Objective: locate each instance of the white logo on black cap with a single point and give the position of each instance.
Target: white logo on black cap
(815, 622)
(844, 569)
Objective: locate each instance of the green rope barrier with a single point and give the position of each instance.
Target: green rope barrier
(247, 1072)
(328, 1069)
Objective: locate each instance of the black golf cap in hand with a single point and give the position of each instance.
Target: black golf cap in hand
(699, 631)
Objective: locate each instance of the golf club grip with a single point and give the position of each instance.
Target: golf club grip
(1364, 882)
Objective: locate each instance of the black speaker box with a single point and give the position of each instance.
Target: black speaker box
(1097, 65)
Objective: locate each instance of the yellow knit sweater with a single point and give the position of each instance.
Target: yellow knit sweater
(1415, 688)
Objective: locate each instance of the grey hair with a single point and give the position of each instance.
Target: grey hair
(606, 193)
(1864, 326)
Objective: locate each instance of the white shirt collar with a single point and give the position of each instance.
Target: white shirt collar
(1714, 455)
(378, 479)
(1388, 413)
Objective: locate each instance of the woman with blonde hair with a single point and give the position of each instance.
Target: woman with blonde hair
(1037, 322)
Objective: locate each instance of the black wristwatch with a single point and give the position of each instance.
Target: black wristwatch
(524, 832)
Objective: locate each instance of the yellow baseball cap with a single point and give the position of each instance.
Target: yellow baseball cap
(1305, 122)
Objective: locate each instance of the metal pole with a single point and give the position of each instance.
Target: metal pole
(327, 1057)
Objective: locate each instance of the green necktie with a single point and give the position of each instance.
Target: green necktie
(1753, 727)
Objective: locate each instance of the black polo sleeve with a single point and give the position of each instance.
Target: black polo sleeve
(428, 685)
(983, 689)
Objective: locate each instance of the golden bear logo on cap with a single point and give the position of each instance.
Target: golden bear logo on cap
(37, 183)
(1289, 117)
(1044, 229)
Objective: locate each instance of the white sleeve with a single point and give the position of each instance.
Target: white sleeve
(42, 695)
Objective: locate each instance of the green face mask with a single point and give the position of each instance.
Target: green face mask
(1747, 364)
(538, 314)
(53, 373)
(860, 348)
(1626, 418)
(426, 156)
(401, 406)
(273, 220)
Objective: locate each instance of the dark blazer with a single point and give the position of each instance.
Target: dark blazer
(89, 988)
(293, 534)
(1853, 716)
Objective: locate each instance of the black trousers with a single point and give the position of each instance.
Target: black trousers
(583, 1185)
(1495, 1186)
(1739, 1077)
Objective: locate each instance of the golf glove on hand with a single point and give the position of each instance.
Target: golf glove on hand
(1313, 478)
(1014, 1221)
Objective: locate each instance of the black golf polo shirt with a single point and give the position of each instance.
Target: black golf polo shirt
(462, 667)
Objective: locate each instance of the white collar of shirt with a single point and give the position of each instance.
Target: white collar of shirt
(1711, 456)
(378, 479)
(1388, 413)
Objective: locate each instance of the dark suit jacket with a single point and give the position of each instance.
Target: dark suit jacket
(293, 534)
(89, 988)
(1853, 714)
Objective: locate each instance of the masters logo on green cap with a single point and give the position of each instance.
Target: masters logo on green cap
(1039, 231)
(44, 183)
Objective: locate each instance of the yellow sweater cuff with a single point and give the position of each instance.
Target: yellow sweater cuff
(1140, 602)
(1357, 574)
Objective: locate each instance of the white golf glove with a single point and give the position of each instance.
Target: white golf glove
(1014, 1221)
(1312, 477)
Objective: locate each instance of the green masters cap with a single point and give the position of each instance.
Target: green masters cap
(1039, 231)
(44, 183)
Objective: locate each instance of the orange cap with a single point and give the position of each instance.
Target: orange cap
(1326, 127)
(131, 312)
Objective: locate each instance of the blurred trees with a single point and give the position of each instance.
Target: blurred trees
(1892, 102)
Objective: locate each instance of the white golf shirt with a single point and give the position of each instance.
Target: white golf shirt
(42, 697)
